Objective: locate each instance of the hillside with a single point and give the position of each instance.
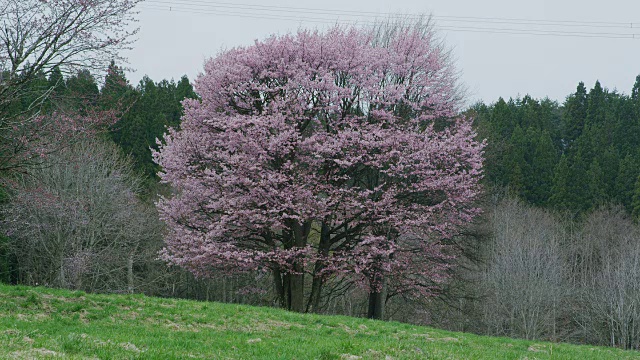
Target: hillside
(46, 323)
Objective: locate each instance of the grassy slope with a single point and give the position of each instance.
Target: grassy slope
(45, 323)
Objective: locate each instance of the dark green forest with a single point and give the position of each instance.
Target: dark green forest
(152, 107)
(573, 156)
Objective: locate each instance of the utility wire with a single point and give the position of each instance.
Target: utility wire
(369, 14)
(164, 5)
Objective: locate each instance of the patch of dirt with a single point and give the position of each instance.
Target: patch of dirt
(33, 354)
(270, 324)
(126, 346)
(173, 326)
(32, 317)
(130, 315)
(130, 347)
(347, 329)
(537, 348)
(376, 355)
(262, 326)
(448, 339)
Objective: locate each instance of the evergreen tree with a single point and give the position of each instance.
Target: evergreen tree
(609, 161)
(575, 114)
(597, 185)
(516, 165)
(492, 124)
(155, 107)
(116, 92)
(561, 195)
(184, 89)
(81, 92)
(502, 120)
(543, 163)
(628, 173)
(579, 176)
(626, 135)
(551, 121)
(635, 91)
(596, 105)
(56, 80)
(33, 96)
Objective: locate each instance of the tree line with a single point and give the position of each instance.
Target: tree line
(575, 156)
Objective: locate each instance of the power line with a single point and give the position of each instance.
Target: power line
(541, 32)
(254, 16)
(499, 30)
(369, 14)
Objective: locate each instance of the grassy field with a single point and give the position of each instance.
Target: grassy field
(43, 323)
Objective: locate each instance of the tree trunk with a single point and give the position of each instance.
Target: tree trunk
(376, 300)
(61, 273)
(318, 280)
(286, 283)
(277, 281)
(296, 278)
(224, 289)
(130, 274)
(297, 292)
(316, 289)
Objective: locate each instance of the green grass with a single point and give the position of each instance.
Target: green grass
(46, 323)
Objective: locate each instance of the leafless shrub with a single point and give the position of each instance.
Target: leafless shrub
(76, 221)
(606, 268)
(525, 275)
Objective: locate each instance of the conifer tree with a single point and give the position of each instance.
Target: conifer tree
(596, 106)
(543, 163)
(561, 195)
(575, 114)
(628, 173)
(116, 91)
(56, 80)
(515, 161)
(597, 194)
(81, 92)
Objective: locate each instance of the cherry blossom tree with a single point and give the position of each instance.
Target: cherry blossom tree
(39, 38)
(320, 155)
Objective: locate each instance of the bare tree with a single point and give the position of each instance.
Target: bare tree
(605, 259)
(37, 37)
(77, 223)
(525, 276)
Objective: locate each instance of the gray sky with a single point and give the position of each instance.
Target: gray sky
(177, 42)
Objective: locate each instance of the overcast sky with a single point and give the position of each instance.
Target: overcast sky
(176, 36)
